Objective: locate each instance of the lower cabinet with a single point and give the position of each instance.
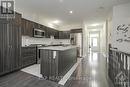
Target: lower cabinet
(28, 56)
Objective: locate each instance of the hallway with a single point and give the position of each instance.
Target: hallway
(92, 72)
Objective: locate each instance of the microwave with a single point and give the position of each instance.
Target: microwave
(39, 33)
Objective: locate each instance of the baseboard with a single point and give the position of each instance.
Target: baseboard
(67, 78)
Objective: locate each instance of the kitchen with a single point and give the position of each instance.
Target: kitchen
(64, 43)
(24, 45)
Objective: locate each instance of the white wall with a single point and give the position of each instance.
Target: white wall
(121, 16)
(69, 27)
(103, 39)
(85, 41)
(36, 17)
(108, 34)
(102, 31)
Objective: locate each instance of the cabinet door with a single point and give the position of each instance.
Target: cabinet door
(18, 19)
(47, 32)
(23, 25)
(14, 45)
(27, 27)
(17, 46)
(61, 35)
(57, 35)
(30, 28)
(35, 25)
(64, 35)
(11, 43)
(28, 56)
(44, 54)
(9, 46)
(67, 35)
(4, 61)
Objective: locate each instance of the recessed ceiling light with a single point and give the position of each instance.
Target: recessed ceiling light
(61, 0)
(70, 12)
(56, 22)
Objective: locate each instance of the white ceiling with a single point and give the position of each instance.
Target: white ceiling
(83, 10)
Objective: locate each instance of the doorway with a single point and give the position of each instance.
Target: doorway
(94, 41)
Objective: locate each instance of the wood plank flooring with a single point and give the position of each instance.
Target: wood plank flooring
(92, 72)
(22, 79)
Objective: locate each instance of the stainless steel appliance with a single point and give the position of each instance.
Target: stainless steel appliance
(38, 51)
(39, 33)
(76, 39)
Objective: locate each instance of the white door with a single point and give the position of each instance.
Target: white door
(94, 42)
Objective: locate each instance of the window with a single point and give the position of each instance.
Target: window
(95, 42)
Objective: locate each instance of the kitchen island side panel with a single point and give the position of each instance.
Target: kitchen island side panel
(67, 59)
(55, 64)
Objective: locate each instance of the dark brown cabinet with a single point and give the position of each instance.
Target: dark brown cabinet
(55, 33)
(14, 46)
(64, 34)
(42, 27)
(56, 36)
(18, 19)
(28, 56)
(57, 63)
(47, 32)
(51, 32)
(27, 27)
(10, 45)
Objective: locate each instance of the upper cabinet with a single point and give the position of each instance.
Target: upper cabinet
(18, 19)
(54, 33)
(64, 34)
(51, 32)
(27, 27)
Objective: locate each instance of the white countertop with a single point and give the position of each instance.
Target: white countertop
(61, 48)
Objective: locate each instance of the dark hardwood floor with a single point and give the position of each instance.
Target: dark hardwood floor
(22, 79)
(92, 72)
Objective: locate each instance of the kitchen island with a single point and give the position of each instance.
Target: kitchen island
(57, 60)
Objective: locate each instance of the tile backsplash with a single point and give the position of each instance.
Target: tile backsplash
(26, 40)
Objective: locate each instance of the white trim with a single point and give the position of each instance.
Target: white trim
(69, 73)
(33, 70)
(104, 55)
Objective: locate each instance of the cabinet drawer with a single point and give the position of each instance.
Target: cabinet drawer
(28, 61)
(26, 49)
(28, 56)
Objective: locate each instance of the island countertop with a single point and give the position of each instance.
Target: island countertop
(60, 48)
